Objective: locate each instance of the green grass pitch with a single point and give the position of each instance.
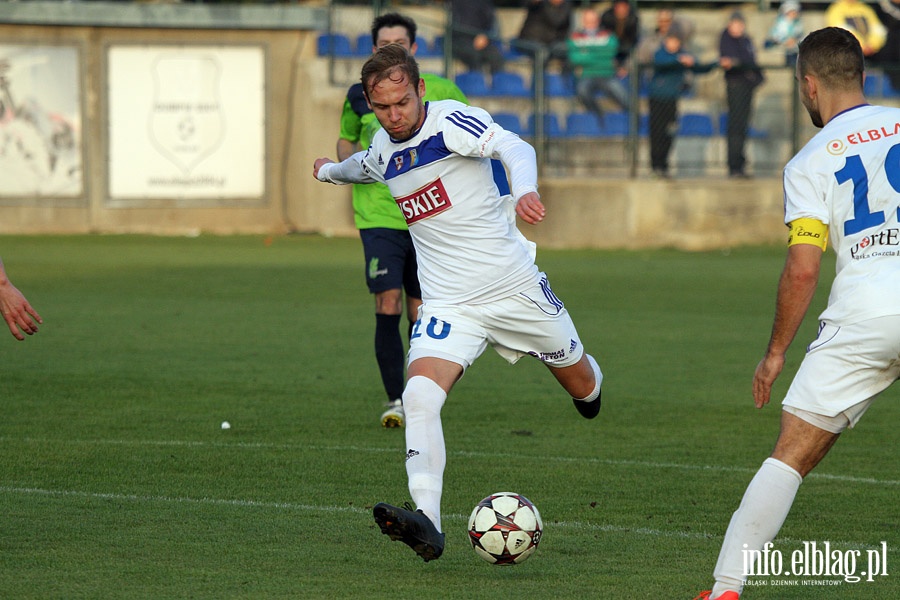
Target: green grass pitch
(116, 480)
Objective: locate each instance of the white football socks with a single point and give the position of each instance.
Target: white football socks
(598, 379)
(757, 520)
(426, 454)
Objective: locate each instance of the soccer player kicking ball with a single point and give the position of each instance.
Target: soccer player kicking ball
(844, 185)
(479, 281)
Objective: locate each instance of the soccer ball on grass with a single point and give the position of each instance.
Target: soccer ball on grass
(505, 528)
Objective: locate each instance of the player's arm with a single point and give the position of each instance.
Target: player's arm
(796, 288)
(351, 170)
(519, 159)
(351, 126)
(346, 148)
(16, 310)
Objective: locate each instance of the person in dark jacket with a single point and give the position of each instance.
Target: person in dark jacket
(671, 65)
(622, 20)
(475, 38)
(742, 76)
(888, 58)
(547, 24)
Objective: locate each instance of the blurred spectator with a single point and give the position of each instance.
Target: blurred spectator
(742, 76)
(665, 21)
(476, 35)
(787, 31)
(622, 20)
(888, 57)
(860, 20)
(547, 24)
(671, 67)
(592, 51)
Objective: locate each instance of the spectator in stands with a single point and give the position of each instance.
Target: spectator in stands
(671, 66)
(742, 76)
(651, 41)
(547, 24)
(787, 31)
(859, 19)
(592, 52)
(888, 58)
(475, 36)
(622, 20)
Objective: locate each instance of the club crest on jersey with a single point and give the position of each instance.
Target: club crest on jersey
(398, 162)
(424, 203)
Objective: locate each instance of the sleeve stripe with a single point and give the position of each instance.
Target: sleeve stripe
(467, 123)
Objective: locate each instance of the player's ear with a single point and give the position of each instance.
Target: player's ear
(414, 48)
(421, 88)
(812, 85)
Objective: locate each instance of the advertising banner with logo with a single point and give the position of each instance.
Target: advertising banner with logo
(186, 123)
(40, 122)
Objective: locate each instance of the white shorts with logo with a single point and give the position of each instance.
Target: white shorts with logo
(845, 368)
(533, 322)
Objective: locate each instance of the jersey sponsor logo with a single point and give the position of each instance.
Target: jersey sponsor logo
(549, 356)
(486, 142)
(873, 135)
(836, 147)
(425, 203)
(374, 271)
(877, 244)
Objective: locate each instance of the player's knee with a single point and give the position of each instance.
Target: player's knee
(423, 395)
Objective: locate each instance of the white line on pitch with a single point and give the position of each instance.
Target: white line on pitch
(579, 525)
(399, 451)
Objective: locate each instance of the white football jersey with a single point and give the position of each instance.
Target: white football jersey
(848, 177)
(467, 244)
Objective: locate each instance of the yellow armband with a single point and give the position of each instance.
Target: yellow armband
(808, 231)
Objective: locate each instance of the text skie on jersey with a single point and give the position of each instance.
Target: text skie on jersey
(425, 202)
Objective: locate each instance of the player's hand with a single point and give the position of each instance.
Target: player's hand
(17, 312)
(318, 165)
(530, 208)
(767, 372)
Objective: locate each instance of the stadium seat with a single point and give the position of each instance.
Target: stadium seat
(364, 44)
(551, 126)
(753, 132)
(505, 83)
(472, 83)
(511, 52)
(335, 44)
(582, 125)
(695, 124)
(432, 50)
(558, 86)
(874, 85)
(643, 85)
(437, 46)
(888, 90)
(644, 125)
(508, 121)
(615, 124)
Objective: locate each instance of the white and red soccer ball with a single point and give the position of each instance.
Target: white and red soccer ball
(505, 528)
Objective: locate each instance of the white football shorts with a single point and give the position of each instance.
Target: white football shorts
(533, 322)
(843, 371)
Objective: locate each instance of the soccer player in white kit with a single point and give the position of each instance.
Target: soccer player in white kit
(843, 186)
(480, 285)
